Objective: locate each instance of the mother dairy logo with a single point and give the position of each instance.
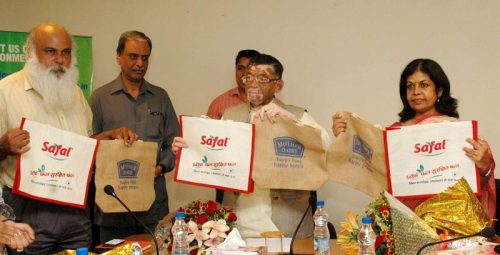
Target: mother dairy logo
(128, 168)
(288, 146)
(362, 148)
(56, 151)
(432, 148)
(214, 143)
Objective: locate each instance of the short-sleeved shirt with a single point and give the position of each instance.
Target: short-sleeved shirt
(151, 115)
(225, 100)
(18, 99)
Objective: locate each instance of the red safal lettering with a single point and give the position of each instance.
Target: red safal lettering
(430, 147)
(56, 150)
(214, 141)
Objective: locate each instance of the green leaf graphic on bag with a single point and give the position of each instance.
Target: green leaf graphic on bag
(42, 168)
(421, 168)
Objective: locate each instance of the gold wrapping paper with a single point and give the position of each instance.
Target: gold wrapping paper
(456, 209)
(122, 250)
(410, 232)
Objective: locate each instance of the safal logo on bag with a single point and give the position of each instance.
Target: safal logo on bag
(56, 151)
(432, 148)
(214, 143)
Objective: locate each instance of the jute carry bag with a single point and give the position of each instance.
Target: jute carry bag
(130, 170)
(356, 158)
(288, 156)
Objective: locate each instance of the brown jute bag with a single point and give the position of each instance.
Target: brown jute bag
(288, 155)
(356, 158)
(130, 170)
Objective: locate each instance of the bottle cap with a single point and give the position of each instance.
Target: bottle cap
(82, 251)
(320, 203)
(179, 214)
(366, 220)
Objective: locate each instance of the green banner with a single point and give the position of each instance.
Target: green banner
(12, 57)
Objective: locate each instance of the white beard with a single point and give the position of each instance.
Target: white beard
(58, 93)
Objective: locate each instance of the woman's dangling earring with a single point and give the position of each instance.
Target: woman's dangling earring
(438, 100)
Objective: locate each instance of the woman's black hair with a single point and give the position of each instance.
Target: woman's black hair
(446, 104)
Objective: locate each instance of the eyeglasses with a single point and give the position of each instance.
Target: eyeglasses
(259, 79)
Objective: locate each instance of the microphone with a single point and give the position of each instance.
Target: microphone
(300, 223)
(108, 189)
(487, 232)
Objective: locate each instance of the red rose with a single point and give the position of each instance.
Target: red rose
(380, 239)
(197, 205)
(383, 208)
(232, 217)
(201, 219)
(211, 207)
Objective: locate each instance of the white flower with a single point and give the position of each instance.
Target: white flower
(216, 229)
(195, 233)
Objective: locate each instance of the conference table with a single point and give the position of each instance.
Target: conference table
(300, 246)
(306, 246)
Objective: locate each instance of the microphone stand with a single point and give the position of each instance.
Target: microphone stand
(298, 227)
(113, 194)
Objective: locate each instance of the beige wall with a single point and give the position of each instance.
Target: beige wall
(338, 55)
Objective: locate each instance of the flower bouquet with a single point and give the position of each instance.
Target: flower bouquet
(398, 229)
(208, 225)
(379, 211)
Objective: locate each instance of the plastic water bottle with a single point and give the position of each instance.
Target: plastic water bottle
(180, 245)
(321, 233)
(366, 237)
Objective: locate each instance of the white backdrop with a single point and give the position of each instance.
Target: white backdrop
(338, 55)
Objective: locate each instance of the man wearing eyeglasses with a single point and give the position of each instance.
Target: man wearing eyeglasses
(235, 95)
(283, 207)
(265, 208)
(131, 101)
(232, 97)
